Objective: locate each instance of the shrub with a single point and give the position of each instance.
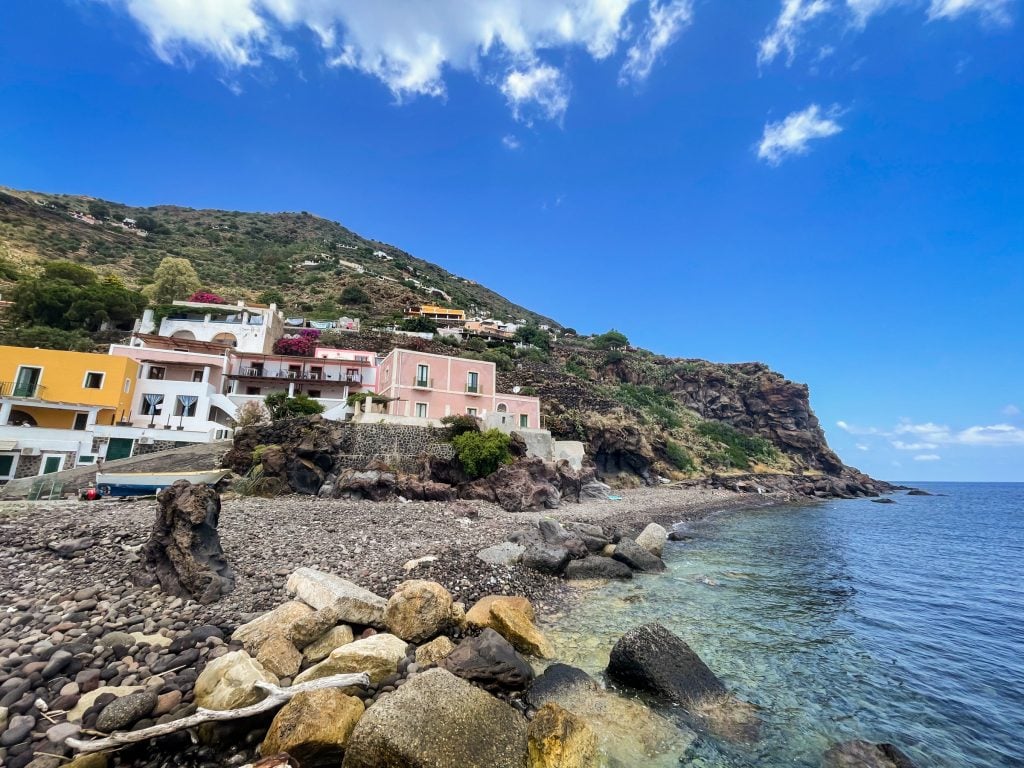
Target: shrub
(611, 340)
(481, 453)
(295, 346)
(251, 414)
(461, 423)
(419, 325)
(354, 294)
(656, 404)
(532, 334)
(679, 457)
(475, 344)
(256, 483)
(613, 356)
(44, 337)
(272, 297)
(206, 297)
(500, 359)
(283, 407)
(738, 448)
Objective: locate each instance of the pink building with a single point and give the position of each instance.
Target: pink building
(424, 386)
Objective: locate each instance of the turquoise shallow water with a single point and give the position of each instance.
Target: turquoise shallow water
(848, 619)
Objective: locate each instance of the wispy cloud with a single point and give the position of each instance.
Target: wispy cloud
(928, 457)
(930, 435)
(540, 90)
(792, 135)
(510, 141)
(991, 11)
(1011, 410)
(665, 23)
(785, 32)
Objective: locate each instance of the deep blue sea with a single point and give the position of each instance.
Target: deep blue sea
(892, 622)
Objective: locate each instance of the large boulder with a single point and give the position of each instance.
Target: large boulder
(557, 738)
(513, 618)
(321, 648)
(184, 554)
(434, 651)
(314, 727)
(436, 720)
(653, 538)
(546, 558)
(377, 655)
(279, 621)
(229, 682)
(636, 557)
(313, 625)
(355, 605)
(418, 610)
(865, 754)
(529, 483)
(490, 661)
(651, 658)
(597, 567)
(506, 553)
(628, 732)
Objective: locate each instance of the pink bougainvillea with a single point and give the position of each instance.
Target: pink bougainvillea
(295, 346)
(205, 297)
(309, 333)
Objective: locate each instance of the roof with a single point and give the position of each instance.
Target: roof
(154, 341)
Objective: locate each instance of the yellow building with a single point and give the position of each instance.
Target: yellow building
(434, 312)
(51, 400)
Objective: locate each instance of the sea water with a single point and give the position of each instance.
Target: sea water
(847, 619)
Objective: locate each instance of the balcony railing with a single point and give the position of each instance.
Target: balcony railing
(419, 383)
(21, 389)
(259, 373)
(474, 389)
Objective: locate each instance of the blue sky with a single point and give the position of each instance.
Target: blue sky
(835, 188)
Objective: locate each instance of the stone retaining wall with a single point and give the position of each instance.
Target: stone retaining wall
(398, 445)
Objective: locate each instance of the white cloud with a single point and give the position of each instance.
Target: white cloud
(997, 434)
(509, 141)
(411, 46)
(928, 457)
(1011, 410)
(785, 33)
(992, 11)
(539, 89)
(792, 135)
(901, 446)
(863, 447)
(665, 22)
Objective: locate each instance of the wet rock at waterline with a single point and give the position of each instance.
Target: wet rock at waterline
(865, 754)
(184, 554)
(490, 661)
(636, 557)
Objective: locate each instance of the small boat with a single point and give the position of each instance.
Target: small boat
(147, 483)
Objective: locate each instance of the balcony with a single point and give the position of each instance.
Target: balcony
(423, 383)
(304, 375)
(472, 389)
(21, 389)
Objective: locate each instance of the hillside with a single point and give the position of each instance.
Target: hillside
(642, 415)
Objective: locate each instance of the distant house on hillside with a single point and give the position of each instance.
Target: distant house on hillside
(434, 312)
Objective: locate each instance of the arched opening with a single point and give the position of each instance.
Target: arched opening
(502, 408)
(21, 419)
(227, 339)
(187, 335)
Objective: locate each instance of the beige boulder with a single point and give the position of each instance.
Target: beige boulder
(378, 656)
(418, 610)
(355, 605)
(314, 727)
(229, 682)
(313, 626)
(556, 738)
(512, 618)
(321, 648)
(279, 656)
(434, 651)
(277, 622)
(653, 538)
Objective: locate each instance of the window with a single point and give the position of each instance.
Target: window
(157, 372)
(471, 411)
(185, 405)
(252, 390)
(27, 382)
(422, 375)
(313, 392)
(524, 420)
(352, 374)
(81, 421)
(87, 459)
(473, 382)
(93, 380)
(502, 408)
(52, 462)
(151, 404)
(421, 410)
(8, 465)
(127, 386)
(197, 376)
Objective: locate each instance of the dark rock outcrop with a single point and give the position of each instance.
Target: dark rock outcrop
(651, 658)
(597, 567)
(865, 754)
(184, 554)
(636, 557)
(530, 483)
(490, 661)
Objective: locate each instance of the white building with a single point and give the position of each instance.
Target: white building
(242, 327)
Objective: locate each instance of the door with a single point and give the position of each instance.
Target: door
(27, 382)
(119, 448)
(8, 466)
(81, 421)
(52, 462)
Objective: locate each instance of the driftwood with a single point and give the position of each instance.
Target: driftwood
(276, 696)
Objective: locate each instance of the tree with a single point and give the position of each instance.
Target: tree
(175, 278)
(272, 297)
(532, 334)
(611, 340)
(98, 209)
(419, 325)
(354, 294)
(44, 337)
(476, 344)
(69, 296)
